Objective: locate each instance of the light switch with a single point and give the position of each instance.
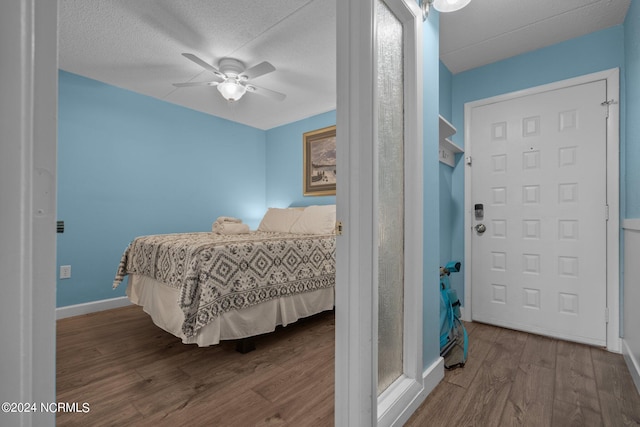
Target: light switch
(65, 271)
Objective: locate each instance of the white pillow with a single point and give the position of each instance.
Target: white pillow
(316, 220)
(279, 220)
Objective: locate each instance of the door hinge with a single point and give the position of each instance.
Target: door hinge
(468, 160)
(338, 228)
(606, 212)
(606, 315)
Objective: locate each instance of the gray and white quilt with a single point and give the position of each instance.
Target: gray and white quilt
(218, 273)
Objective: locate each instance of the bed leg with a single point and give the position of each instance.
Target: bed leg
(245, 345)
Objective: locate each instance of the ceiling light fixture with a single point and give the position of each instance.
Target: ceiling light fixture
(231, 89)
(442, 6)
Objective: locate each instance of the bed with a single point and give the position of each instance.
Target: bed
(210, 286)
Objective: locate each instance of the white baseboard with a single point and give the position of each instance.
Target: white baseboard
(431, 377)
(633, 364)
(91, 307)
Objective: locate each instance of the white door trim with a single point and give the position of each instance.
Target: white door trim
(29, 85)
(356, 402)
(354, 373)
(612, 77)
(396, 404)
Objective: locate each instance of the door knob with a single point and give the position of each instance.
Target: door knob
(481, 228)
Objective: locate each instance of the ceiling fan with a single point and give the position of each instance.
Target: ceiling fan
(234, 78)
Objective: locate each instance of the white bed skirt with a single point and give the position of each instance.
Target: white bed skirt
(161, 303)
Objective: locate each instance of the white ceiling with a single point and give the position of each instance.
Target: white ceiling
(137, 45)
(487, 31)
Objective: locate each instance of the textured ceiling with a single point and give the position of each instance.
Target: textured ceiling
(487, 31)
(137, 45)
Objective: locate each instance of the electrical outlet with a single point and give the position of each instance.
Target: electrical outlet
(65, 271)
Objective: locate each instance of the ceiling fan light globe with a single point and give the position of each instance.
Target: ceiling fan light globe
(231, 91)
(449, 5)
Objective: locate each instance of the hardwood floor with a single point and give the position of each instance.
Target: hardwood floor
(515, 378)
(133, 373)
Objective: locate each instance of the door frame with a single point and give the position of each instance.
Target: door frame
(29, 84)
(612, 77)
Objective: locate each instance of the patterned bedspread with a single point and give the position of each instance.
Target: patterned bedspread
(218, 273)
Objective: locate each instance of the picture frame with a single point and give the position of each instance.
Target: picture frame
(319, 162)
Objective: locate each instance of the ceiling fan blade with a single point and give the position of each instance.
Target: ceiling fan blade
(204, 64)
(277, 96)
(189, 84)
(258, 70)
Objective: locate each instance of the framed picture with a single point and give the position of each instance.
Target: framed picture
(319, 162)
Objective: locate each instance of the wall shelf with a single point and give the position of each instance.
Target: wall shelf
(447, 148)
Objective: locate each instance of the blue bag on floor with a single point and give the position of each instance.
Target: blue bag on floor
(454, 341)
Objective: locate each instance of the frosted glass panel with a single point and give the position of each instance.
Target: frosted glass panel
(390, 195)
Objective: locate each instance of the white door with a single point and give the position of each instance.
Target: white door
(539, 171)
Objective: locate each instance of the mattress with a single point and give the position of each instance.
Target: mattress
(204, 287)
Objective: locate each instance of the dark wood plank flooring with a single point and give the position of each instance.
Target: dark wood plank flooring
(520, 379)
(133, 373)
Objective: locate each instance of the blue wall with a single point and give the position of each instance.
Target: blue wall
(284, 163)
(631, 151)
(594, 52)
(446, 212)
(446, 81)
(431, 182)
(130, 165)
(447, 207)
